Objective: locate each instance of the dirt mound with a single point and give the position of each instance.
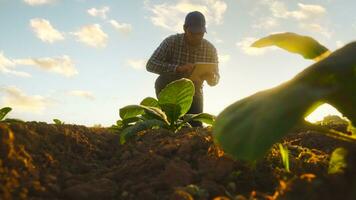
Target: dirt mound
(46, 161)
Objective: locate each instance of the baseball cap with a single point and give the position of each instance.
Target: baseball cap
(195, 22)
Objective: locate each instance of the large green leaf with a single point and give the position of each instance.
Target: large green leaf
(4, 111)
(202, 117)
(150, 101)
(173, 112)
(249, 127)
(303, 45)
(176, 98)
(139, 126)
(155, 113)
(338, 72)
(131, 111)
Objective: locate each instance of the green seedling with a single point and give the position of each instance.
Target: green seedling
(58, 122)
(168, 111)
(285, 156)
(3, 112)
(248, 128)
(337, 163)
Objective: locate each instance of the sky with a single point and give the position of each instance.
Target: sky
(80, 61)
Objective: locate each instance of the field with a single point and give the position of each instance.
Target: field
(50, 161)
(259, 147)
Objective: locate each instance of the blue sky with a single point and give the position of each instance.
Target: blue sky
(82, 60)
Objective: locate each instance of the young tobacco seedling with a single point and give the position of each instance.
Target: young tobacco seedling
(168, 111)
(3, 112)
(248, 128)
(285, 156)
(58, 122)
(337, 163)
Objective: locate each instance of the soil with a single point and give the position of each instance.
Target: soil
(48, 161)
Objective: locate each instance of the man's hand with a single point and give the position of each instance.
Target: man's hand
(187, 68)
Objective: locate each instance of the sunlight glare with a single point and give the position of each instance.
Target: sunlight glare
(321, 112)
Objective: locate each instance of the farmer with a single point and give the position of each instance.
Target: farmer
(175, 57)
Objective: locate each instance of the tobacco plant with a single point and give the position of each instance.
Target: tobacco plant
(283, 150)
(58, 122)
(3, 112)
(168, 111)
(249, 127)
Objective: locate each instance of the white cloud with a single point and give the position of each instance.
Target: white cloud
(317, 28)
(61, 65)
(80, 93)
(7, 65)
(223, 58)
(137, 63)
(245, 47)
(21, 102)
(98, 12)
(171, 16)
(308, 11)
(38, 2)
(305, 11)
(310, 17)
(121, 27)
(92, 35)
(266, 23)
(45, 31)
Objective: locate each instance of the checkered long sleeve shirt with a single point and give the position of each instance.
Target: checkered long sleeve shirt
(174, 51)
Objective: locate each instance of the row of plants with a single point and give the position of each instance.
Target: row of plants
(5, 110)
(248, 128)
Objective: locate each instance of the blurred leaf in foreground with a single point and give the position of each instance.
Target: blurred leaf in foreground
(248, 128)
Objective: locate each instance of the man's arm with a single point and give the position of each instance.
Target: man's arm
(159, 61)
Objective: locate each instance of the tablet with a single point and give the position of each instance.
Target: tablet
(201, 68)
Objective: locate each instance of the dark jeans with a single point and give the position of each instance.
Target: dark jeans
(197, 104)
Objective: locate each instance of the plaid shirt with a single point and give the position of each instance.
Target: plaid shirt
(174, 51)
